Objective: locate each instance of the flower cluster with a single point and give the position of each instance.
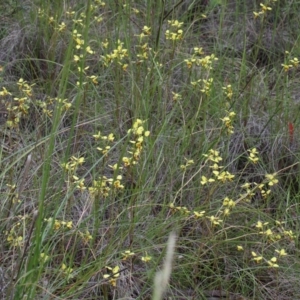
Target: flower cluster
(80, 21)
(146, 32)
(104, 185)
(71, 168)
(174, 33)
(20, 106)
(291, 63)
(188, 163)
(205, 85)
(249, 192)
(263, 188)
(118, 55)
(182, 209)
(253, 155)
(14, 238)
(127, 254)
(272, 262)
(82, 51)
(67, 271)
(138, 133)
(100, 187)
(144, 53)
(228, 204)
(77, 37)
(176, 96)
(275, 233)
(206, 88)
(58, 224)
(264, 8)
(106, 141)
(206, 62)
(113, 273)
(43, 258)
(223, 176)
(271, 179)
(73, 163)
(227, 121)
(228, 91)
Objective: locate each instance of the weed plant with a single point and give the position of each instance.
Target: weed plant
(123, 122)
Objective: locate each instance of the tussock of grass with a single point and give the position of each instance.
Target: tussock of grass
(124, 122)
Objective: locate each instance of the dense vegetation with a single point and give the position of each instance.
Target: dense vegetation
(126, 122)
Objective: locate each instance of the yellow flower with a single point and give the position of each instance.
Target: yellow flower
(67, 270)
(105, 44)
(76, 58)
(215, 220)
(97, 136)
(176, 96)
(225, 176)
(86, 236)
(265, 193)
(93, 78)
(272, 262)
(147, 30)
(183, 209)
(281, 252)
(226, 212)
(126, 254)
(253, 155)
(69, 224)
(213, 156)
(175, 23)
(295, 61)
(290, 234)
(256, 257)
(198, 51)
(4, 92)
(216, 167)
(113, 277)
(113, 282)
(260, 225)
(199, 214)
(126, 161)
(271, 179)
(246, 185)
(240, 248)
(228, 202)
(257, 14)
(190, 62)
(57, 224)
(70, 13)
(62, 26)
(204, 180)
(117, 183)
(264, 8)
(268, 232)
(111, 137)
(286, 67)
(146, 258)
(43, 257)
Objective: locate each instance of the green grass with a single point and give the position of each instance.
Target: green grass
(133, 121)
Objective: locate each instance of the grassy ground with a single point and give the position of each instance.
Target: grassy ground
(125, 122)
